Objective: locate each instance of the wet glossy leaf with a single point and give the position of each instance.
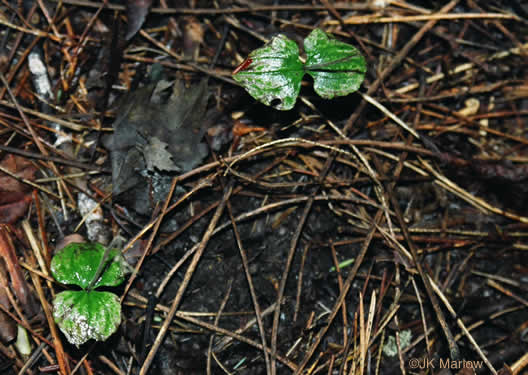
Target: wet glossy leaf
(273, 72)
(82, 315)
(77, 264)
(336, 67)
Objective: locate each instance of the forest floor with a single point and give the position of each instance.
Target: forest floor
(381, 232)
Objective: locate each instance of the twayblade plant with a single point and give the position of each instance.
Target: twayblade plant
(88, 314)
(274, 72)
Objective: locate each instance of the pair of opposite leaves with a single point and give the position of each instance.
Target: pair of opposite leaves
(275, 71)
(87, 313)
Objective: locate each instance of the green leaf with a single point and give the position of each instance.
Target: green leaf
(82, 315)
(77, 264)
(273, 72)
(336, 67)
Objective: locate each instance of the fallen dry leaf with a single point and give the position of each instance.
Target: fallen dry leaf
(20, 167)
(15, 196)
(155, 134)
(13, 206)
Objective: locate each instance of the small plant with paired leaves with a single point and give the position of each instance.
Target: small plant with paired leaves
(87, 313)
(275, 71)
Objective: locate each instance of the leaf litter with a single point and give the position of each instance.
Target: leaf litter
(157, 136)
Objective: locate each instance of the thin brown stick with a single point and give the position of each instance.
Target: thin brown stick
(284, 278)
(256, 305)
(460, 324)
(111, 365)
(217, 319)
(358, 20)
(59, 349)
(44, 116)
(151, 239)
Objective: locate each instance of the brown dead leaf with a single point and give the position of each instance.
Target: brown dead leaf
(19, 166)
(240, 129)
(15, 196)
(13, 206)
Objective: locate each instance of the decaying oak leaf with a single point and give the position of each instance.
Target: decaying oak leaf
(156, 132)
(157, 156)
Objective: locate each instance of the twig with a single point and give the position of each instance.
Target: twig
(284, 278)
(358, 20)
(521, 363)
(147, 248)
(217, 319)
(388, 113)
(461, 324)
(59, 349)
(110, 364)
(254, 298)
(44, 116)
(454, 350)
(27, 182)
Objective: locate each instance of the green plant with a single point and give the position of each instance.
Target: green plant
(88, 314)
(275, 71)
